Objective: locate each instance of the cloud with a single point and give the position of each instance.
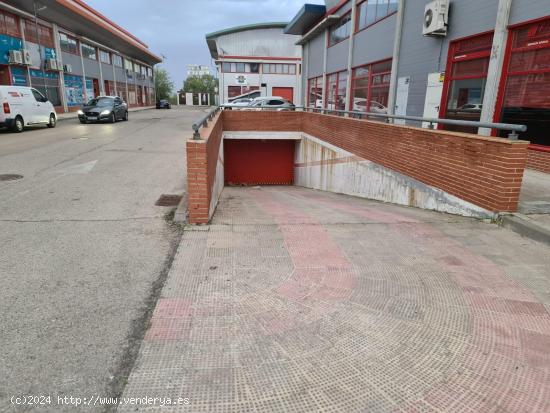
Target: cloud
(176, 28)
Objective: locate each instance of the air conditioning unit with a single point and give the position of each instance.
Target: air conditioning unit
(15, 57)
(67, 68)
(51, 64)
(436, 18)
(27, 58)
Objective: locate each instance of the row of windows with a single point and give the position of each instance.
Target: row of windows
(268, 68)
(38, 33)
(69, 44)
(370, 87)
(368, 13)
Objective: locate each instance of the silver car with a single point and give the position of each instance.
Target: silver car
(276, 103)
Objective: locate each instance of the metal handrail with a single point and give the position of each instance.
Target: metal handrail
(513, 128)
(203, 122)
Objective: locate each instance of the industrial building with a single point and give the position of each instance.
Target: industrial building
(257, 57)
(453, 59)
(71, 53)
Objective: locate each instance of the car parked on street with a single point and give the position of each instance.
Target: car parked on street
(276, 103)
(163, 104)
(238, 103)
(104, 109)
(25, 106)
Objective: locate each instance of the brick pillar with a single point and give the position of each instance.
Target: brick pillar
(197, 182)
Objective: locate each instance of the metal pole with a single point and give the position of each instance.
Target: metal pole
(351, 42)
(392, 97)
(42, 67)
(494, 73)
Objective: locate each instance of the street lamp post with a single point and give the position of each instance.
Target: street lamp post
(42, 67)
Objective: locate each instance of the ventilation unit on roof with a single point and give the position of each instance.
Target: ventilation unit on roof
(436, 16)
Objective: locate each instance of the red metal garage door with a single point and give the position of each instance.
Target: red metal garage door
(284, 92)
(258, 162)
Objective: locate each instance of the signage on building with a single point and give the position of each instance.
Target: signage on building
(241, 79)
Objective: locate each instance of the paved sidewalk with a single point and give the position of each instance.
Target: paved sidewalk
(73, 115)
(295, 300)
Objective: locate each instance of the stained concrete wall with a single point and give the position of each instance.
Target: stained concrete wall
(218, 185)
(320, 165)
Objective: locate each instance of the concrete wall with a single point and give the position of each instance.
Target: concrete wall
(320, 165)
(368, 49)
(525, 10)
(91, 67)
(337, 57)
(315, 52)
(107, 72)
(74, 61)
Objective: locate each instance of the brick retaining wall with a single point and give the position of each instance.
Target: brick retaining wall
(485, 171)
(539, 159)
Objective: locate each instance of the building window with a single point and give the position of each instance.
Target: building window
(370, 87)
(8, 24)
(38, 34)
(235, 91)
(104, 57)
(117, 60)
(371, 11)
(232, 67)
(336, 91)
(128, 65)
(526, 97)
(279, 68)
(47, 84)
(68, 44)
(315, 92)
(149, 72)
(88, 51)
(340, 31)
(465, 80)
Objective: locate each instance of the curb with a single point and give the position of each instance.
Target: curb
(75, 117)
(180, 216)
(526, 227)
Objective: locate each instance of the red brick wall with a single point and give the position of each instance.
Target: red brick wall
(539, 160)
(202, 158)
(484, 171)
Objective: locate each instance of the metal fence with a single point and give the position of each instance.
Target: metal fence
(512, 128)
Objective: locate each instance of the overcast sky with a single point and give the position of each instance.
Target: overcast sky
(176, 28)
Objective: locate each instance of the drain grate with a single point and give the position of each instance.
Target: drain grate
(10, 177)
(168, 200)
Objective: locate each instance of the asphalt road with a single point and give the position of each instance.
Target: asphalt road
(83, 249)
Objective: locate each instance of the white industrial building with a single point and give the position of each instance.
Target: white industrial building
(198, 70)
(257, 57)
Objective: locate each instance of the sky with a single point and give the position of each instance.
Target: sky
(176, 28)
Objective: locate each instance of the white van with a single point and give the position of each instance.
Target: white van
(24, 106)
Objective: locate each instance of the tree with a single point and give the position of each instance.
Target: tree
(200, 84)
(163, 84)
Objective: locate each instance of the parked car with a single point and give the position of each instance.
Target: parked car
(360, 105)
(163, 104)
(25, 106)
(104, 108)
(270, 103)
(238, 102)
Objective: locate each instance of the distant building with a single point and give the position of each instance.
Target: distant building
(197, 70)
(72, 53)
(257, 58)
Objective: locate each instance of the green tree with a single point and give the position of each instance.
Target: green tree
(200, 84)
(163, 84)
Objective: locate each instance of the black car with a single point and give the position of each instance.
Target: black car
(163, 104)
(104, 108)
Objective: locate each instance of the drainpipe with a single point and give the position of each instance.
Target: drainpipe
(350, 55)
(325, 69)
(494, 72)
(395, 60)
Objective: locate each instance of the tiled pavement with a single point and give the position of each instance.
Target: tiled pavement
(295, 300)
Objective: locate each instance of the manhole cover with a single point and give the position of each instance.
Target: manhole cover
(168, 200)
(10, 177)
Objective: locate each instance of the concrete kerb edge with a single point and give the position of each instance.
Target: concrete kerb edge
(181, 214)
(522, 225)
(75, 117)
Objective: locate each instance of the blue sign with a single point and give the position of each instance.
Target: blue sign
(47, 75)
(74, 90)
(8, 43)
(18, 76)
